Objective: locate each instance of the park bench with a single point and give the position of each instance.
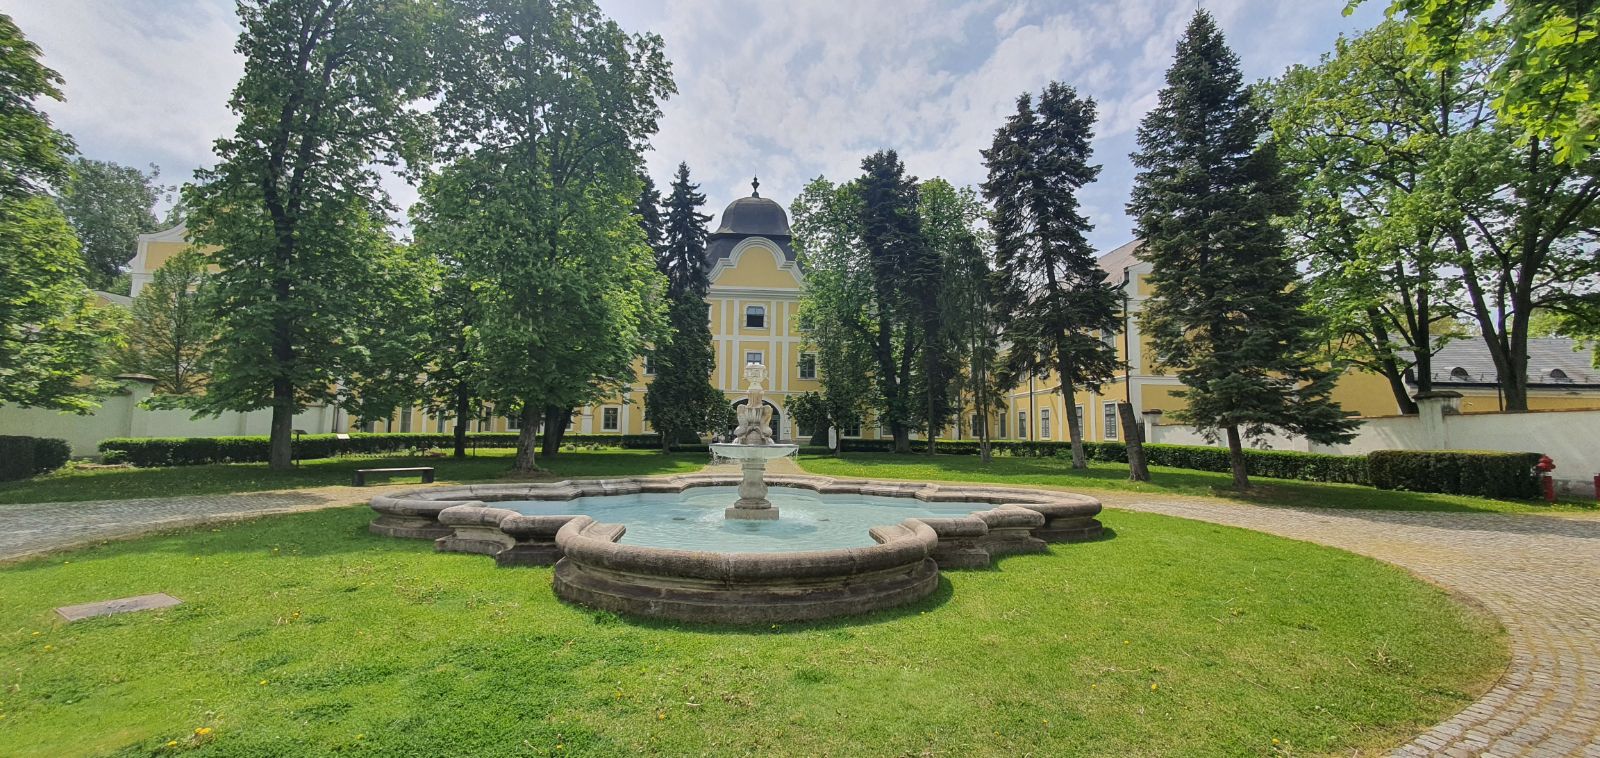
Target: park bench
(425, 471)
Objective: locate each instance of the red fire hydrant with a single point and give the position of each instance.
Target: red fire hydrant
(1544, 467)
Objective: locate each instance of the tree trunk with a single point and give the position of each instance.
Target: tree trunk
(527, 461)
(463, 410)
(1138, 468)
(1241, 478)
(280, 455)
(555, 427)
(1397, 385)
(1074, 430)
(902, 437)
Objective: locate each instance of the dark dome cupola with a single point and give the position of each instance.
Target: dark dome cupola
(753, 216)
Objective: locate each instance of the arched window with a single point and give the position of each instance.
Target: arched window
(1558, 375)
(1459, 374)
(755, 317)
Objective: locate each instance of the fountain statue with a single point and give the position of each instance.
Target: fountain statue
(752, 446)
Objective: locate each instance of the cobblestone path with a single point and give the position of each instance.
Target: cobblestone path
(31, 529)
(1540, 575)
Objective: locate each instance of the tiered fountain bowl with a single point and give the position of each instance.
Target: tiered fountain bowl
(668, 548)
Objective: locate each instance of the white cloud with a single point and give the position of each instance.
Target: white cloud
(783, 90)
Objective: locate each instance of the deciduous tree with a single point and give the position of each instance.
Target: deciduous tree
(293, 204)
(169, 330)
(109, 206)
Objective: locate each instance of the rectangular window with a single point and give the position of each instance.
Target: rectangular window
(405, 420)
(755, 317)
(974, 425)
(1077, 410)
(754, 356)
(1044, 423)
(808, 365)
(1022, 424)
(650, 364)
(853, 430)
(611, 419)
(1001, 432)
(1109, 337)
(514, 422)
(1111, 421)
(441, 421)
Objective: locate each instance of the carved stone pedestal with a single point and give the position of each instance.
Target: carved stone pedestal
(753, 504)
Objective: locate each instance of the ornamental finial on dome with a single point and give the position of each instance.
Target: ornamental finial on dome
(755, 186)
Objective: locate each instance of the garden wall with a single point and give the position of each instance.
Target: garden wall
(1570, 438)
(121, 416)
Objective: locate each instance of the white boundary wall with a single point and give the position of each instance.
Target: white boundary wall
(121, 416)
(1570, 438)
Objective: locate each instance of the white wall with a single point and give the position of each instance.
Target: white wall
(121, 416)
(1570, 438)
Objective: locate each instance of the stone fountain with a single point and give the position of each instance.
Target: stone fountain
(752, 446)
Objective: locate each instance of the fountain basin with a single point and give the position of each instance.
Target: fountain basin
(658, 547)
(737, 451)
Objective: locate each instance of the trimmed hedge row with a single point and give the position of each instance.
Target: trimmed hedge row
(24, 457)
(193, 451)
(1278, 464)
(1456, 472)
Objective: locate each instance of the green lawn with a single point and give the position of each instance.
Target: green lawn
(1057, 472)
(77, 484)
(304, 635)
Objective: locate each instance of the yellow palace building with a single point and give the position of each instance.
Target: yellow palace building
(756, 284)
(755, 293)
(1559, 377)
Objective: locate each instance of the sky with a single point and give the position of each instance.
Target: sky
(786, 91)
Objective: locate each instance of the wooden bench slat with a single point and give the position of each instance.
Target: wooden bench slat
(427, 473)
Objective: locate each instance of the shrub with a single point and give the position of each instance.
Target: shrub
(192, 451)
(1456, 472)
(23, 457)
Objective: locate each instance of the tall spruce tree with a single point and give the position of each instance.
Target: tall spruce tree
(891, 233)
(680, 402)
(1226, 315)
(1057, 301)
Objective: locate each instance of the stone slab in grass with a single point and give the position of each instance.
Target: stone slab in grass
(120, 605)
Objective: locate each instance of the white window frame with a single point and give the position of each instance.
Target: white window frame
(1110, 428)
(761, 358)
(1022, 425)
(650, 363)
(514, 422)
(1044, 423)
(755, 310)
(802, 365)
(610, 419)
(1078, 409)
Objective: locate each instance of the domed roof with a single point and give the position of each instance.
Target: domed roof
(754, 216)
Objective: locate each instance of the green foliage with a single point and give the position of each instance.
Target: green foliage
(33, 155)
(169, 331)
(1545, 82)
(109, 206)
(54, 342)
(545, 110)
(1226, 315)
(905, 276)
(25, 457)
(1057, 301)
(1368, 142)
(834, 303)
(294, 202)
(194, 451)
(1277, 464)
(680, 402)
(1456, 472)
(810, 411)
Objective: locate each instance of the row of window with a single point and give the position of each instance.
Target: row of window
(1044, 422)
(808, 363)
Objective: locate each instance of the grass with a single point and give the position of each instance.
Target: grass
(1113, 477)
(304, 635)
(118, 483)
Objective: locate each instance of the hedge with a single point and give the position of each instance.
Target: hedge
(1456, 472)
(1278, 464)
(192, 451)
(24, 457)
